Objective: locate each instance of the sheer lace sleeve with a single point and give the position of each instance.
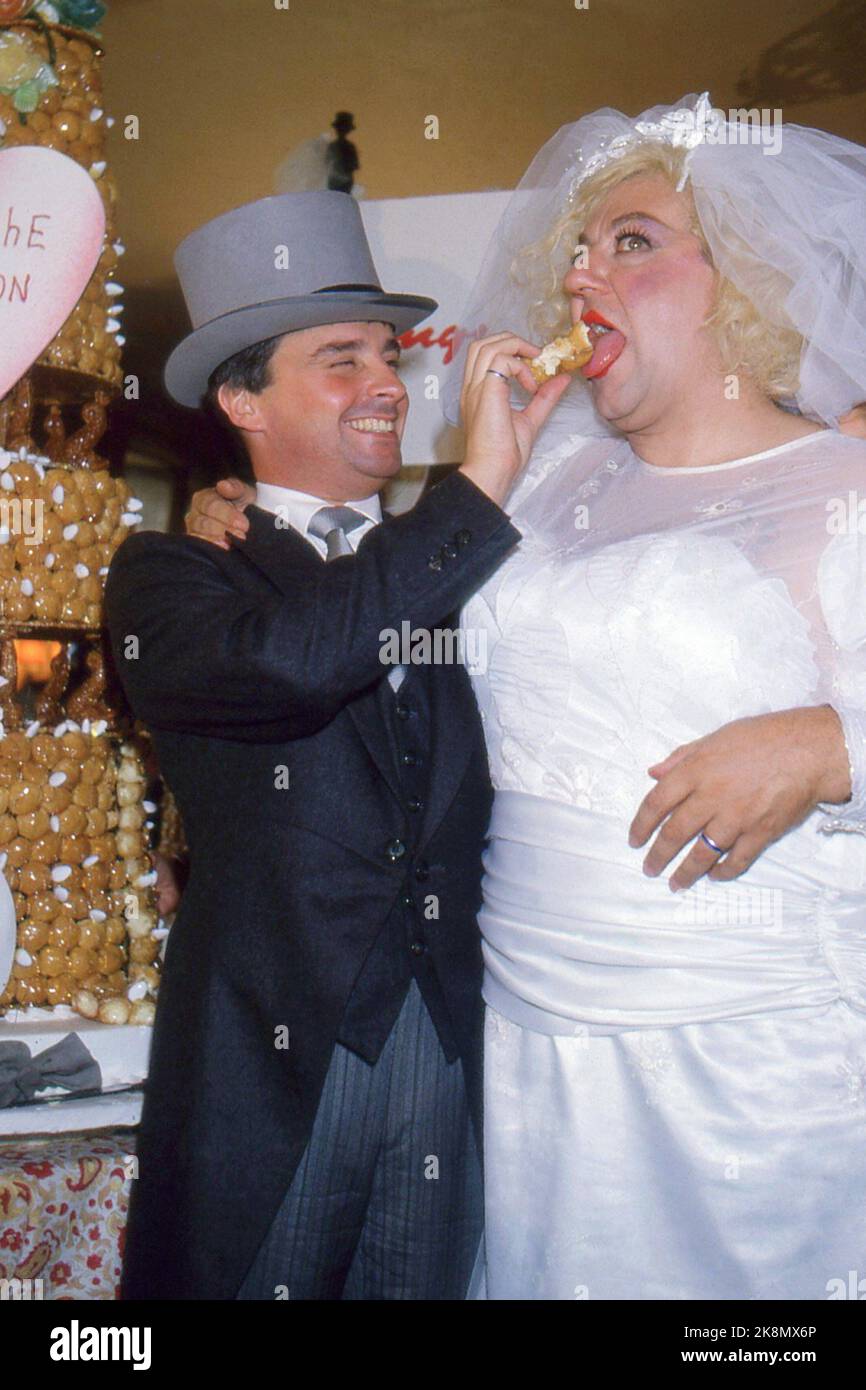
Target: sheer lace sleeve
(543, 462)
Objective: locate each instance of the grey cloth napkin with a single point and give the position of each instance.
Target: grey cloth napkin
(67, 1063)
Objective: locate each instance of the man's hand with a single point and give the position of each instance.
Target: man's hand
(744, 785)
(499, 440)
(169, 882)
(216, 513)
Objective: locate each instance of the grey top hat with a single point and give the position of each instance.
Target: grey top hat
(296, 260)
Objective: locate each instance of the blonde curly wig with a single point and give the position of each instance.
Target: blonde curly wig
(747, 342)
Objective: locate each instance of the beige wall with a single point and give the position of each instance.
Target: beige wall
(224, 88)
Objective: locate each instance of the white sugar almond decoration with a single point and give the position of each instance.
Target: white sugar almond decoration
(143, 1011)
(114, 1011)
(86, 1004)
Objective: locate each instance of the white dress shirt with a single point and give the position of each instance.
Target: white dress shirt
(297, 509)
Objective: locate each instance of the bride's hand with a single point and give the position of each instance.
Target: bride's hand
(744, 785)
(499, 440)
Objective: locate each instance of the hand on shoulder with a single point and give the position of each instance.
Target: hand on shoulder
(215, 513)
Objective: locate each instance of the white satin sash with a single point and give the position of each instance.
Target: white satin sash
(577, 939)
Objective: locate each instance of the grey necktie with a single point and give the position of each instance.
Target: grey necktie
(331, 525)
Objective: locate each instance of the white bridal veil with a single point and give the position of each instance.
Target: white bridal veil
(783, 208)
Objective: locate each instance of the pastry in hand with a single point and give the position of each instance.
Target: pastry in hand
(564, 354)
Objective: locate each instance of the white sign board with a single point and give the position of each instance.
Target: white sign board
(432, 246)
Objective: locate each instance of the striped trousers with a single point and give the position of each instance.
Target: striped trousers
(386, 1202)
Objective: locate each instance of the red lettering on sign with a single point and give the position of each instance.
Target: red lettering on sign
(450, 339)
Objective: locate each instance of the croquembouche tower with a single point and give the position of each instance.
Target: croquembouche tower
(73, 818)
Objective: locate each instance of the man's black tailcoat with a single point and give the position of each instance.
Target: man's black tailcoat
(253, 668)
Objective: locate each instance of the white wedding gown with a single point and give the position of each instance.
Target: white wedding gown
(675, 1083)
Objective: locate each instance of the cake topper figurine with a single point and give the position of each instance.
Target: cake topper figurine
(88, 701)
(10, 712)
(79, 450)
(342, 156)
(49, 701)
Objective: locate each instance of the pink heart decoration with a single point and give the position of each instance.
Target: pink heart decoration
(52, 225)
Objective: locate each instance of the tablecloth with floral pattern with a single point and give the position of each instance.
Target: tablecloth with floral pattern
(63, 1205)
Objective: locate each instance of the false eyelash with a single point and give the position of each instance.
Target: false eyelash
(633, 231)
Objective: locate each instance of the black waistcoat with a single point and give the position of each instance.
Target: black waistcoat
(400, 950)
